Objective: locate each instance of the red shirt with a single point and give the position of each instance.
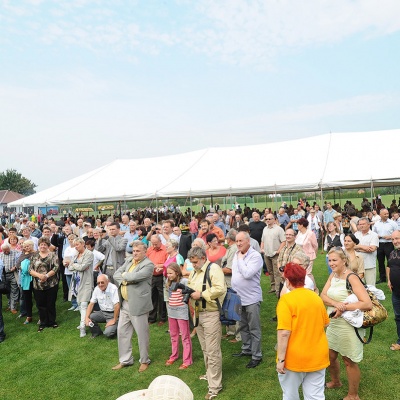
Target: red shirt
(157, 256)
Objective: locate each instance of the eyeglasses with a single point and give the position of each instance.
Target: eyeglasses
(269, 219)
(282, 269)
(101, 283)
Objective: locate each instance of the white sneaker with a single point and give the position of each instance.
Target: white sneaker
(82, 332)
(77, 309)
(71, 308)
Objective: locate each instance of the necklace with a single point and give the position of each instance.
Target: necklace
(337, 276)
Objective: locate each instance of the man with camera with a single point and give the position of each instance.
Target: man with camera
(113, 249)
(106, 295)
(207, 315)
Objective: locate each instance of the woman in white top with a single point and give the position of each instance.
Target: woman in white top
(69, 253)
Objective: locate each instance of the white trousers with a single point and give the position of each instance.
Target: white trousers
(370, 276)
(313, 384)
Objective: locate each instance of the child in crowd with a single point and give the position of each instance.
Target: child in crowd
(178, 318)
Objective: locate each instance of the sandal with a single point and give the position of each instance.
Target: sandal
(183, 366)
(169, 362)
(41, 329)
(395, 346)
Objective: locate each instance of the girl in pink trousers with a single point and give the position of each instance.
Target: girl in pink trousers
(178, 318)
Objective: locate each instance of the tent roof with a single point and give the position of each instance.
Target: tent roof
(329, 161)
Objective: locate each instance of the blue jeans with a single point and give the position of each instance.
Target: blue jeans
(396, 310)
(74, 303)
(327, 264)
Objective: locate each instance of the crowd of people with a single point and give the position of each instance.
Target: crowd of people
(133, 270)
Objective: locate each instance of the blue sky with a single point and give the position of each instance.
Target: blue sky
(83, 82)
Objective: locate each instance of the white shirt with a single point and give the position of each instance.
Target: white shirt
(171, 236)
(97, 257)
(369, 239)
(107, 299)
(70, 252)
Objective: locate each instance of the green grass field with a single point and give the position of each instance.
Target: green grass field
(58, 364)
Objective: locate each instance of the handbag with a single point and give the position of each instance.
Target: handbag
(231, 309)
(372, 317)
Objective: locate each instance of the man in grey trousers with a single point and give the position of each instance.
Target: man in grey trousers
(133, 279)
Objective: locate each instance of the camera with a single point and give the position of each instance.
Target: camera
(186, 291)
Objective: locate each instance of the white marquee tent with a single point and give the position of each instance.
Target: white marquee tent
(335, 160)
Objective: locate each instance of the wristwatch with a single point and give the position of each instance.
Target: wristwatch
(279, 361)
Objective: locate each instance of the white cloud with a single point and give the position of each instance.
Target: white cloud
(243, 32)
(253, 31)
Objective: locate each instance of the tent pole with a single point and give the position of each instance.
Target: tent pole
(191, 209)
(372, 195)
(156, 210)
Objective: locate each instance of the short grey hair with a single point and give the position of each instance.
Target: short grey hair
(79, 240)
(198, 252)
(231, 235)
(5, 246)
(174, 243)
(200, 242)
(303, 258)
(363, 219)
(138, 243)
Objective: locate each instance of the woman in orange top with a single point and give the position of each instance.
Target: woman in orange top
(303, 352)
(215, 251)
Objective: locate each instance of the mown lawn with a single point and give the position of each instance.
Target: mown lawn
(57, 364)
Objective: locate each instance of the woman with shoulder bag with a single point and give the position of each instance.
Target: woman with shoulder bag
(341, 335)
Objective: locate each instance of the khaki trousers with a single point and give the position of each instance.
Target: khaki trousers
(209, 334)
(274, 275)
(127, 323)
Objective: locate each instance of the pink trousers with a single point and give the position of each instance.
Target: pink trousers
(177, 326)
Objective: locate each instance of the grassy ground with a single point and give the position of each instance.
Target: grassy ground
(57, 364)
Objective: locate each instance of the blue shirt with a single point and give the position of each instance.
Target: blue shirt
(131, 237)
(246, 274)
(283, 219)
(328, 216)
(295, 217)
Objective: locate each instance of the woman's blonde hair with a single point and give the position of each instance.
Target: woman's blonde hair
(340, 252)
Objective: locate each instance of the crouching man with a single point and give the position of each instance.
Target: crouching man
(106, 295)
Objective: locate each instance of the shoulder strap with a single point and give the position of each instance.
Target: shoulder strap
(207, 279)
(348, 285)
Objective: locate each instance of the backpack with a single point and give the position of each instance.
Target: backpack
(231, 309)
